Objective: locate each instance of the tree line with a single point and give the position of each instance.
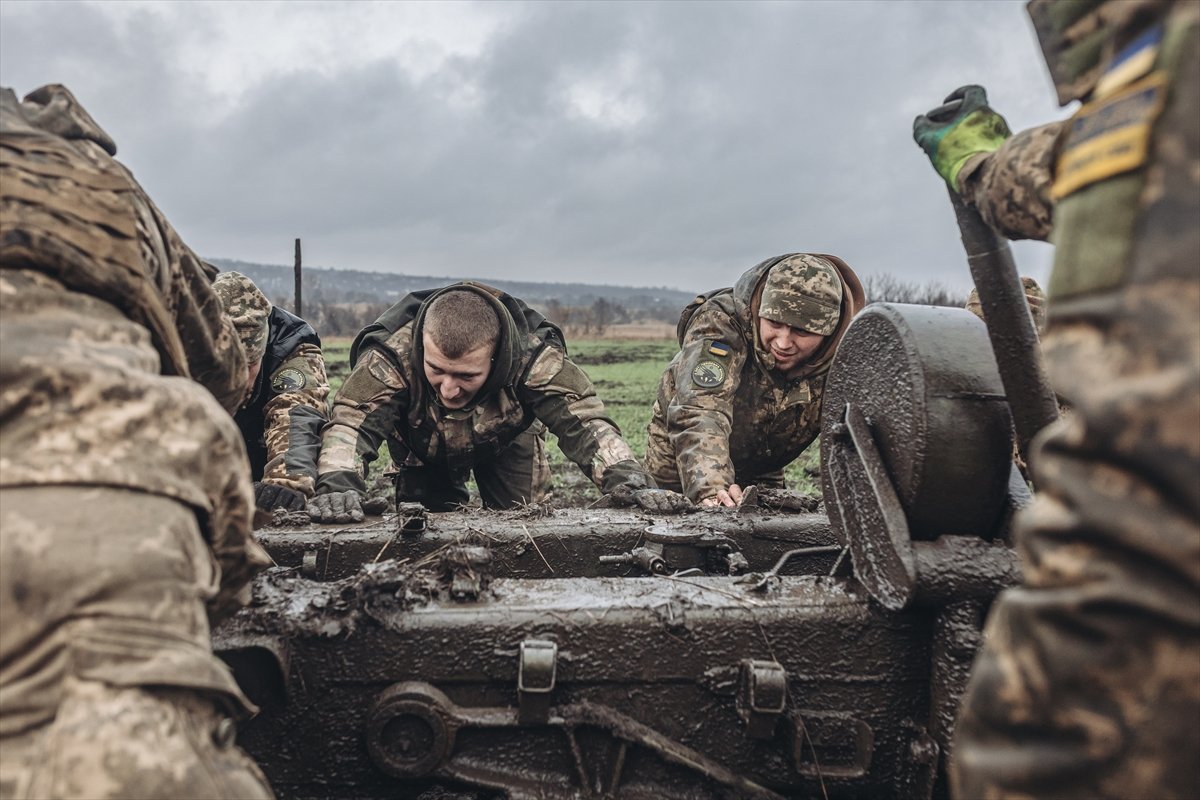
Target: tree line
(595, 319)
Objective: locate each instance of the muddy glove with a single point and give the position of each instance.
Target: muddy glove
(658, 501)
(336, 507)
(960, 128)
(269, 496)
(374, 506)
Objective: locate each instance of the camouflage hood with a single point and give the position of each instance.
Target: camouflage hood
(517, 322)
(748, 292)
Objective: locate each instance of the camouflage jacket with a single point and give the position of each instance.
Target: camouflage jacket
(1086, 684)
(109, 324)
(707, 434)
(386, 397)
(1011, 187)
(281, 422)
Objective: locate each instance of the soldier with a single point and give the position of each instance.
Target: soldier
(742, 398)
(124, 503)
(1035, 298)
(282, 416)
(1089, 681)
(467, 379)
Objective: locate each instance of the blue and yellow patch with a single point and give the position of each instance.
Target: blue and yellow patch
(1110, 136)
(719, 349)
(1135, 60)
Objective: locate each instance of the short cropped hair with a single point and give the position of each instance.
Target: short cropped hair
(460, 321)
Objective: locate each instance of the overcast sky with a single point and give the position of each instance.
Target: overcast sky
(636, 143)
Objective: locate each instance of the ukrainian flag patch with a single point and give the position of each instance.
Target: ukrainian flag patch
(1135, 60)
(719, 349)
(1110, 136)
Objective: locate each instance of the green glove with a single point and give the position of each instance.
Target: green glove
(953, 132)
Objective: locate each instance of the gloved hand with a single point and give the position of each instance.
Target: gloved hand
(374, 506)
(270, 496)
(336, 507)
(953, 132)
(658, 501)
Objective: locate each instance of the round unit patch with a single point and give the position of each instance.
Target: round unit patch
(708, 374)
(288, 380)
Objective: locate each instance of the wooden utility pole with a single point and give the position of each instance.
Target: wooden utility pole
(299, 300)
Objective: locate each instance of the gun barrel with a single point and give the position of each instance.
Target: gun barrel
(1010, 326)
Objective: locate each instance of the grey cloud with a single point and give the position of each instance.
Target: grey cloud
(767, 128)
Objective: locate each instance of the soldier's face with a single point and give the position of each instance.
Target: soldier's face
(456, 380)
(252, 374)
(791, 347)
(252, 371)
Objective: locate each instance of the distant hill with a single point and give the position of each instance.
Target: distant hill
(324, 285)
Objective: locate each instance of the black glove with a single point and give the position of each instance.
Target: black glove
(336, 507)
(659, 501)
(270, 496)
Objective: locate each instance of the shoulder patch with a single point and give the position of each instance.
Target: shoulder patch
(1110, 136)
(288, 380)
(719, 349)
(708, 374)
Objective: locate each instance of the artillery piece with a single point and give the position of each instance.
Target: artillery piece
(608, 653)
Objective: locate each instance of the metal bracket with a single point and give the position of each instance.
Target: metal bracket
(308, 566)
(648, 558)
(873, 522)
(537, 669)
(411, 518)
(762, 697)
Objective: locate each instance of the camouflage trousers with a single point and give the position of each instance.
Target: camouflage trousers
(108, 684)
(519, 474)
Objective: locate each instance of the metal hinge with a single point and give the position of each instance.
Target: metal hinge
(762, 697)
(537, 669)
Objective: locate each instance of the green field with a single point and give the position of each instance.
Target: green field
(626, 375)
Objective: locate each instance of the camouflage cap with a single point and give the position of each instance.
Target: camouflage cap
(805, 292)
(247, 308)
(1034, 296)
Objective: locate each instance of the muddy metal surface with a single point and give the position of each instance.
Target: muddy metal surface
(599, 653)
(545, 543)
(439, 670)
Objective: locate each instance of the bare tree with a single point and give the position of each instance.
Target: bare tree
(887, 288)
(602, 313)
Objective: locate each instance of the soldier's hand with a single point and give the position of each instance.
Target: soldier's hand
(336, 507)
(730, 497)
(662, 501)
(961, 127)
(374, 506)
(657, 500)
(269, 496)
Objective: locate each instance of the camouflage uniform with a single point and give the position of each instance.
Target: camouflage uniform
(1089, 683)
(124, 503)
(500, 435)
(281, 420)
(1035, 297)
(697, 443)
